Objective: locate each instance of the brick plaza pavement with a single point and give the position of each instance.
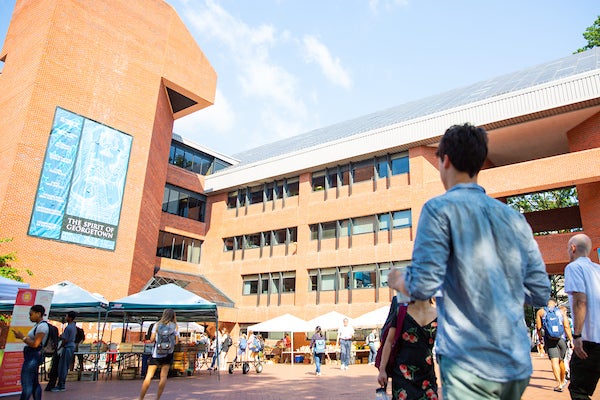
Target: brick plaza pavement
(276, 382)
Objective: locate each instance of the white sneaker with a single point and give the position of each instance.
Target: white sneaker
(318, 374)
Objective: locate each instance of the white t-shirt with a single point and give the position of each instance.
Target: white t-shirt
(582, 275)
(346, 332)
(39, 327)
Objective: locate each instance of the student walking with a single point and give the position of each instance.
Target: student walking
(165, 336)
(317, 345)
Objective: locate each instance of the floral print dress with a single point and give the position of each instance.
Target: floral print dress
(413, 376)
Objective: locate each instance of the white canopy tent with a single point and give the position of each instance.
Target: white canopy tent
(70, 297)
(372, 319)
(283, 323)
(329, 321)
(9, 288)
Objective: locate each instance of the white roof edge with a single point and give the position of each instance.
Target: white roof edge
(557, 93)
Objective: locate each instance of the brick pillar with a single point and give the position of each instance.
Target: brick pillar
(583, 137)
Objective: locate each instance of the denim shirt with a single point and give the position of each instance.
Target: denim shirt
(482, 255)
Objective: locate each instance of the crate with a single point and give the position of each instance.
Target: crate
(128, 373)
(73, 376)
(85, 347)
(87, 375)
(125, 347)
(137, 348)
(365, 360)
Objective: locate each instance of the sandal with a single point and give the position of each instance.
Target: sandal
(558, 389)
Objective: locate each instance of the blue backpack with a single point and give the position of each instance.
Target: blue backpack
(243, 343)
(319, 346)
(553, 323)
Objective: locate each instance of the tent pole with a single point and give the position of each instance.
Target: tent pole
(292, 348)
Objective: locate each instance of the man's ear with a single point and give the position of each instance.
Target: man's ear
(446, 161)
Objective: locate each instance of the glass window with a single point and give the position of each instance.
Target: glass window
(172, 155)
(314, 232)
(384, 222)
(363, 276)
(344, 278)
(344, 228)
(382, 167)
(280, 236)
(402, 219)
(345, 175)
(363, 171)
(165, 244)
(194, 160)
(232, 199)
(293, 234)
(173, 205)
(289, 282)
(228, 244)
(264, 284)
(278, 190)
(165, 199)
(318, 181)
(275, 283)
(293, 187)
(363, 225)
(400, 164)
(197, 167)
(179, 157)
(328, 230)
(250, 285)
(242, 197)
(256, 194)
(332, 177)
(328, 279)
(312, 284)
(194, 251)
(253, 241)
(267, 238)
(269, 191)
(383, 276)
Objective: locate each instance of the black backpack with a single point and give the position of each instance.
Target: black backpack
(80, 335)
(164, 344)
(51, 343)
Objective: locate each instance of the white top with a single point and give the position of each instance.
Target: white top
(346, 332)
(582, 275)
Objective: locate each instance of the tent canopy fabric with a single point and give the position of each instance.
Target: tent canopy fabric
(329, 321)
(70, 297)
(283, 323)
(149, 305)
(9, 288)
(372, 319)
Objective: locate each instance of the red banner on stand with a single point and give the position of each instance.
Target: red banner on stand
(11, 356)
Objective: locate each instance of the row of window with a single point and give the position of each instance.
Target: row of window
(269, 283)
(352, 277)
(194, 160)
(360, 225)
(184, 203)
(261, 239)
(374, 168)
(178, 247)
(322, 279)
(264, 192)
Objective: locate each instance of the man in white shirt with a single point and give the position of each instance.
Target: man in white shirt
(582, 283)
(344, 340)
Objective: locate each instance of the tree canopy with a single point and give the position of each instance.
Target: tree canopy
(592, 35)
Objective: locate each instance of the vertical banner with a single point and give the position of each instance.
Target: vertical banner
(82, 183)
(11, 357)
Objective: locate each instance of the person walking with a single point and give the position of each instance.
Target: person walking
(413, 373)
(226, 343)
(67, 348)
(32, 353)
(317, 345)
(165, 336)
(582, 284)
(373, 343)
(344, 340)
(552, 326)
(482, 256)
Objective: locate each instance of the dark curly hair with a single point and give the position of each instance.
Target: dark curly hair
(466, 147)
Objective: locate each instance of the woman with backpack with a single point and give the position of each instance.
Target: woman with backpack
(317, 344)
(32, 353)
(165, 336)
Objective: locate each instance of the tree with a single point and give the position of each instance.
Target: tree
(547, 200)
(6, 270)
(592, 35)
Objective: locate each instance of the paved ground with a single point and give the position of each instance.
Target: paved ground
(276, 382)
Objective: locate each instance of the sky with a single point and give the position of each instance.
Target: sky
(286, 67)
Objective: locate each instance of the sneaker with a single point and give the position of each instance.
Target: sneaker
(318, 374)
(57, 389)
(49, 388)
(558, 389)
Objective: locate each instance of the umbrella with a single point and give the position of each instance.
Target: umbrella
(283, 323)
(372, 319)
(329, 321)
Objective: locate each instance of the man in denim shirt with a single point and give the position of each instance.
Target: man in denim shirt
(482, 256)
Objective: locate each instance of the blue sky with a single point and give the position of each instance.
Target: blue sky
(286, 67)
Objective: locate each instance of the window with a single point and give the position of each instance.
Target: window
(402, 219)
(232, 199)
(328, 279)
(256, 194)
(363, 225)
(363, 276)
(314, 232)
(178, 247)
(384, 222)
(293, 186)
(363, 171)
(194, 160)
(280, 236)
(229, 244)
(289, 282)
(252, 241)
(382, 167)
(184, 203)
(399, 164)
(328, 230)
(318, 181)
(250, 285)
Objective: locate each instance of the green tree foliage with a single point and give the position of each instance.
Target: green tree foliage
(6, 270)
(548, 200)
(592, 35)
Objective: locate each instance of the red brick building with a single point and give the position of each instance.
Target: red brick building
(305, 225)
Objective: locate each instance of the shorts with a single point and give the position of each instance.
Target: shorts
(166, 360)
(555, 348)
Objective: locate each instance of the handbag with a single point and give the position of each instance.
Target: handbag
(401, 312)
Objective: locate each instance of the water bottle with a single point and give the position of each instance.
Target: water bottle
(380, 394)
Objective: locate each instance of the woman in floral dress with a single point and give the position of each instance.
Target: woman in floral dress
(413, 374)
